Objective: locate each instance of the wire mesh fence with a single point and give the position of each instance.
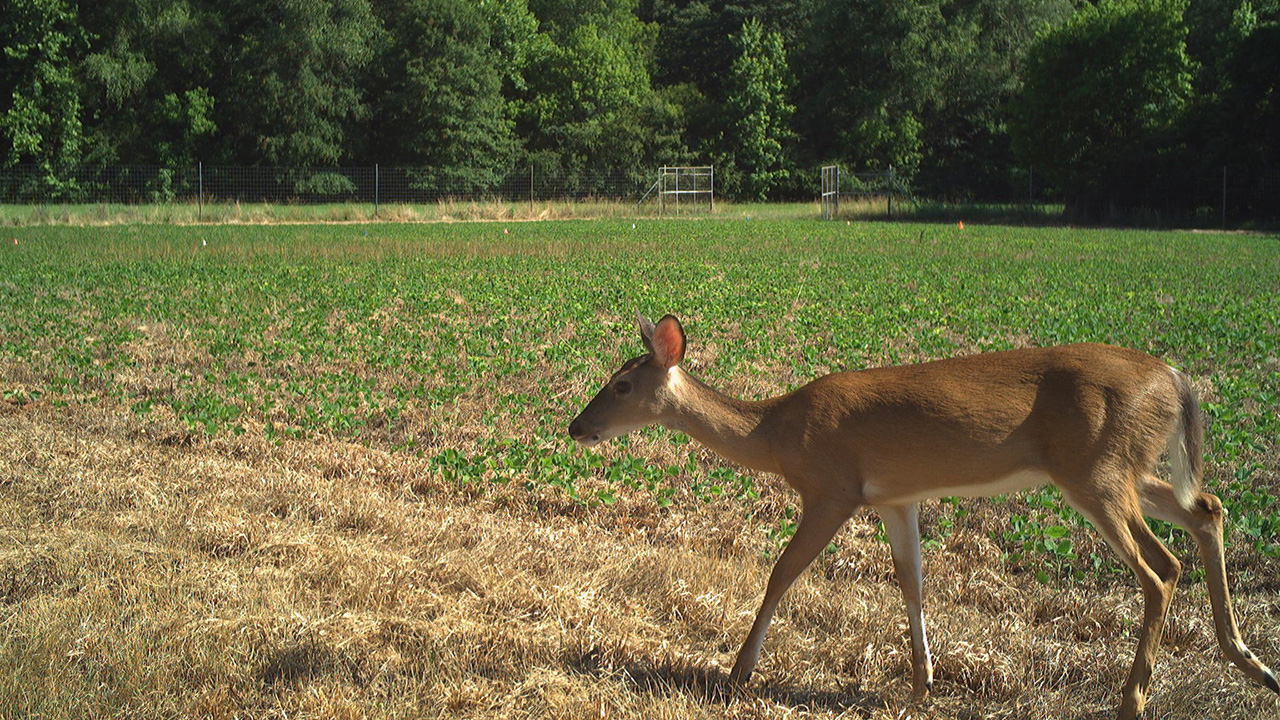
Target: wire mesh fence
(198, 183)
(1230, 196)
(1223, 197)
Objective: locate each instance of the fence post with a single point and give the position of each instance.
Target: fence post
(662, 188)
(530, 190)
(1224, 197)
(376, 178)
(200, 202)
(890, 193)
(677, 194)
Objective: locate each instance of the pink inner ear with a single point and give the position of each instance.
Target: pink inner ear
(668, 343)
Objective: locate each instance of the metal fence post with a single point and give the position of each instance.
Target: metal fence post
(200, 202)
(1224, 197)
(662, 188)
(375, 190)
(890, 193)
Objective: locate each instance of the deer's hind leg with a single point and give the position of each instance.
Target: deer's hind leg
(1204, 521)
(1110, 501)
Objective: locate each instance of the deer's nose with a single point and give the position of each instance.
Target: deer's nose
(581, 434)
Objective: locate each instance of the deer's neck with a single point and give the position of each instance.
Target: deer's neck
(733, 428)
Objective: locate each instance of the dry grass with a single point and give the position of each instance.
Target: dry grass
(236, 213)
(145, 573)
(444, 210)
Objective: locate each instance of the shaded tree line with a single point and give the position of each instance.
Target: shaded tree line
(1110, 102)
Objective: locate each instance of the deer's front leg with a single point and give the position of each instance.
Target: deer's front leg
(902, 525)
(818, 525)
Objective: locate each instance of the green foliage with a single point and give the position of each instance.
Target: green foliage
(870, 73)
(696, 40)
(324, 183)
(757, 113)
(440, 86)
(147, 90)
(580, 91)
(1254, 74)
(293, 86)
(1242, 126)
(40, 121)
(964, 132)
(475, 348)
(1120, 105)
(186, 120)
(588, 101)
(1104, 93)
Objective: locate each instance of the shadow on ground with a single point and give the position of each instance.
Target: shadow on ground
(712, 686)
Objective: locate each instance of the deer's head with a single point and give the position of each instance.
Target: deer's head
(639, 393)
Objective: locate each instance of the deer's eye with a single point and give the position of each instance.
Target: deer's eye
(622, 387)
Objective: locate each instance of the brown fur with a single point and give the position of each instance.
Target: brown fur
(1092, 419)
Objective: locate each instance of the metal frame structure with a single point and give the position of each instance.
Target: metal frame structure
(836, 183)
(690, 182)
(830, 191)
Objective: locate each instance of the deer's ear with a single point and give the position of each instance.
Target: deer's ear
(646, 331)
(667, 342)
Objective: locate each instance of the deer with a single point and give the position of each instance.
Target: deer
(1094, 420)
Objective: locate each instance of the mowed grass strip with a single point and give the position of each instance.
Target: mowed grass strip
(247, 472)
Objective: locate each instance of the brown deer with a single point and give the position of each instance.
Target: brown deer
(1091, 419)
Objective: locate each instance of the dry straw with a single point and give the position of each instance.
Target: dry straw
(147, 573)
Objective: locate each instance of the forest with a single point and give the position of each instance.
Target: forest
(1110, 106)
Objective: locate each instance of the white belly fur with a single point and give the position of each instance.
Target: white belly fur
(882, 493)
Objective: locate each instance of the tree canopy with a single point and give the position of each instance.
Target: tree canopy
(756, 113)
(1104, 95)
(1108, 101)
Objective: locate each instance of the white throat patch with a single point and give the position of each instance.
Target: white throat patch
(675, 379)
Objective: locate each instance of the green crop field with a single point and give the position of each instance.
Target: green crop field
(435, 367)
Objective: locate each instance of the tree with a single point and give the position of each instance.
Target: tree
(1215, 29)
(145, 81)
(870, 70)
(40, 113)
(438, 85)
(588, 100)
(756, 112)
(696, 38)
(1103, 99)
(964, 137)
(1246, 124)
(286, 74)
(582, 91)
(1252, 101)
(559, 19)
(695, 49)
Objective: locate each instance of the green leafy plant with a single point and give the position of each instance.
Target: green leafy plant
(474, 348)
